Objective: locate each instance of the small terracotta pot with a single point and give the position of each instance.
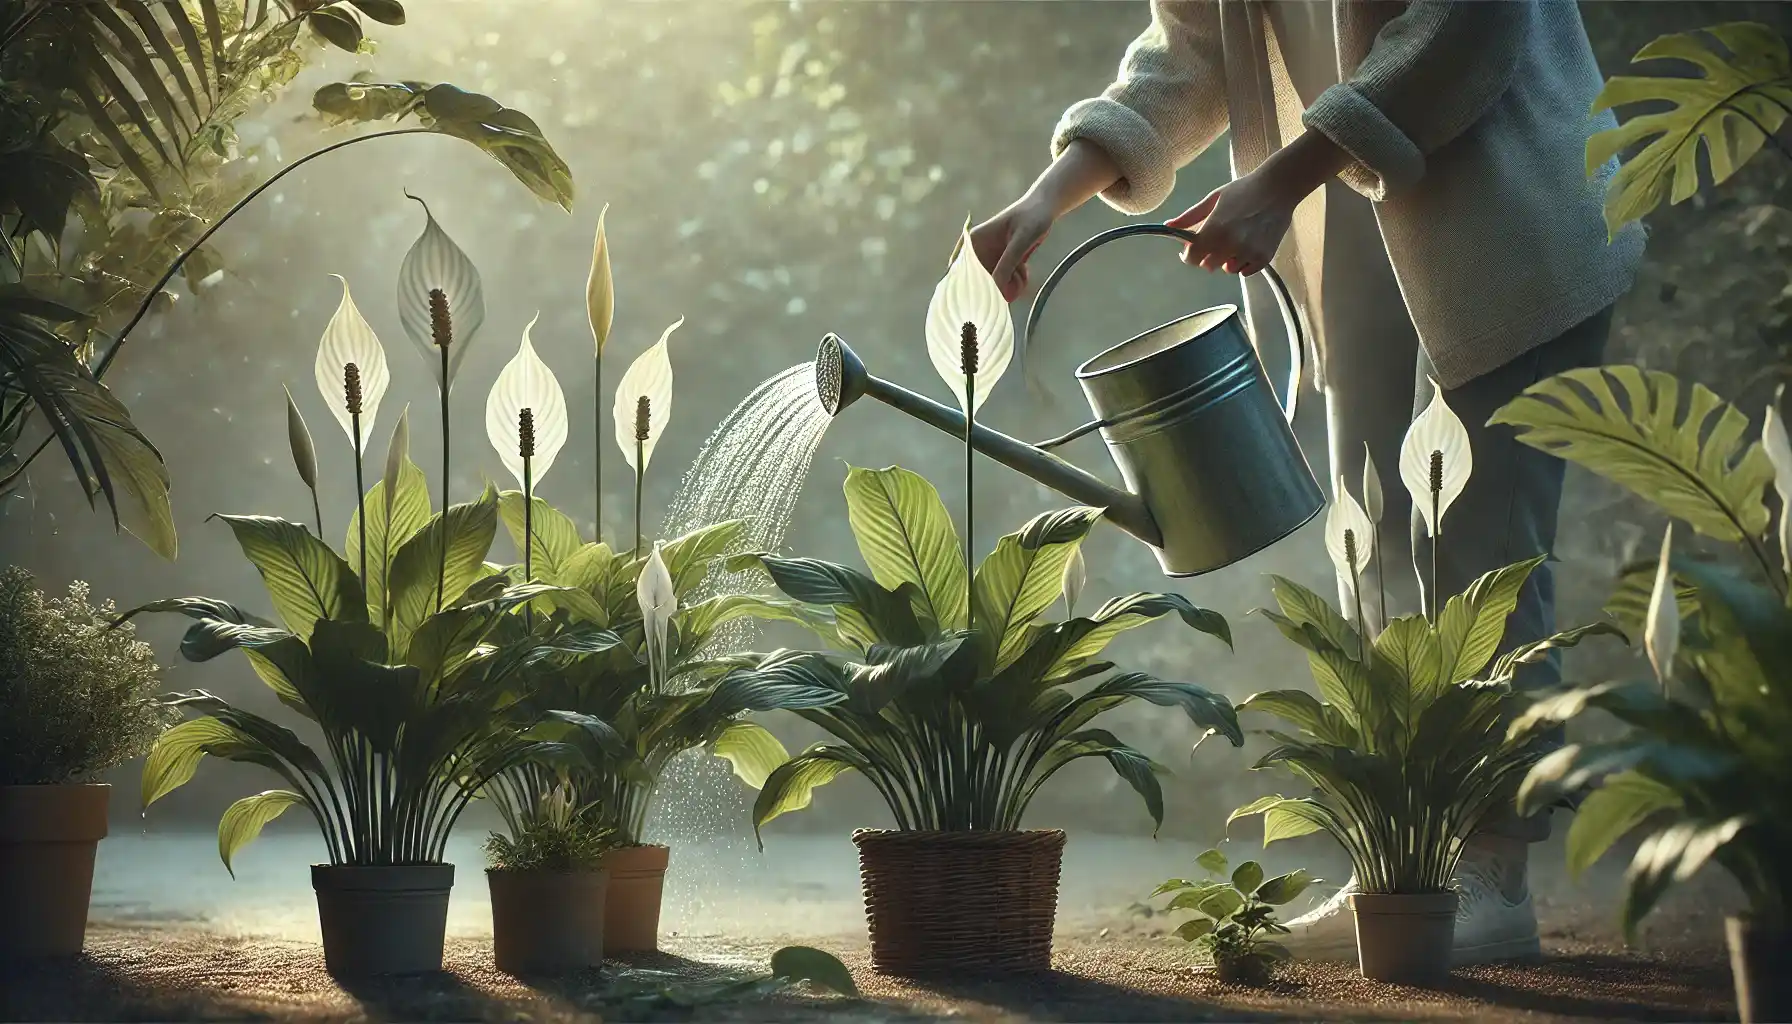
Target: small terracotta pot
(1761, 964)
(547, 922)
(960, 902)
(632, 906)
(1405, 938)
(48, 838)
(383, 920)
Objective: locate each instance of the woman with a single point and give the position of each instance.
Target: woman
(1416, 172)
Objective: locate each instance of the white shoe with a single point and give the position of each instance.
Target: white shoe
(1490, 924)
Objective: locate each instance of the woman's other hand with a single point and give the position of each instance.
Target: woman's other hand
(1240, 225)
(1006, 241)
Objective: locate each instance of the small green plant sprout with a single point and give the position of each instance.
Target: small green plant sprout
(555, 835)
(1233, 914)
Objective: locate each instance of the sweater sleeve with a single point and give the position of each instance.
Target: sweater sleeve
(1431, 73)
(1167, 104)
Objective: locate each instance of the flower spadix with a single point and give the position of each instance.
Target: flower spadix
(649, 377)
(1779, 452)
(967, 300)
(349, 341)
(1661, 633)
(658, 600)
(1435, 460)
(1349, 535)
(526, 383)
(600, 290)
(440, 298)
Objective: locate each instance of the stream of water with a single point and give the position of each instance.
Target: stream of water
(751, 468)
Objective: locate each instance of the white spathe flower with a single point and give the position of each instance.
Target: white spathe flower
(1374, 503)
(349, 339)
(1436, 434)
(1779, 452)
(649, 377)
(435, 262)
(1349, 536)
(969, 295)
(600, 290)
(1661, 634)
(298, 438)
(526, 383)
(658, 600)
(1076, 576)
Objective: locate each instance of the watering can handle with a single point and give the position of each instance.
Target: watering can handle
(1285, 302)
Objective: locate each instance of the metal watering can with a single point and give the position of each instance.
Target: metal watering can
(1212, 469)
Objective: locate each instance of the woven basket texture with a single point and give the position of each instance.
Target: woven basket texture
(960, 902)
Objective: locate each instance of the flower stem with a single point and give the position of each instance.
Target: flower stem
(640, 475)
(597, 448)
(528, 533)
(317, 513)
(1381, 582)
(970, 453)
(1437, 528)
(442, 565)
(360, 493)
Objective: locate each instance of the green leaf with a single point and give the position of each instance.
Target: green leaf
(466, 531)
(1303, 711)
(386, 12)
(1120, 614)
(905, 535)
(1213, 860)
(1701, 468)
(1222, 903)
(1671, 855)
(792, 785)
(1526, 654)
(243, 821)
(866, 613)
(339, 28)
(1024, 576)
(1292, 819)
(802, 963)
(688, 557)
(1172, 885)
(555, 538)
(1248, 877)
(176, 755)
(1133, 767)
(1194, 928)
(1473, 622)
(1724, 109)
(1605, 815)
(754, 752)
(386, 533)
(1284, 889)
(305, 579)
(1203, 707)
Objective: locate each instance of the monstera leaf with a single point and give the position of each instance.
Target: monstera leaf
(1699, 467)
(507, 135)
(1728, 110)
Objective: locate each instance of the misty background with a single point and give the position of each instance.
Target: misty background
(775, 172)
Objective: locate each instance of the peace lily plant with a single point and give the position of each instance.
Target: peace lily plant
(1406, 745)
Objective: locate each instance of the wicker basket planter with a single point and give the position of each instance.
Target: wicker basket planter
(960, 902)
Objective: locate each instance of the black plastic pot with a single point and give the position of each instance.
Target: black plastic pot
(383, 920)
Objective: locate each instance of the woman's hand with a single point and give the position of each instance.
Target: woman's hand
(1240, 225)
(1006, 241)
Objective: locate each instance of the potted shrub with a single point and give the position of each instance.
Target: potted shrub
(1407, 745)
(1700, 771)
(77, 699)
(955, 700)
(1234, 911)
(548, 883)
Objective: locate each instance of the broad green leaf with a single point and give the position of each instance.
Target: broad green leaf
(905, 535)
(1284, 889)
(1291, 819)
(754, 752)
(1724, 109)
(466, 532)
(1473, 623)
(1248, 876)
(803, 963)
(688, 557)
(1701, 467)
(338, 27)
(1222, 903)
(1525, 654)
(793, 784)
(386, 12)
(386, 533)
(693, 624)
(1120, 614)
(866, 613)
(176, 755)
(305, 579)
(1133, 767)
(1213, 860)
(243, 821)
(1607, 814)
(1203, 707)
(1406, 670)
(1172, 885)
(1671, 855)
(588, 568)
(1303, 711)
(554, 537)
(1190, 930)
(1304, 607)
(1192, 897)
(1024, 576)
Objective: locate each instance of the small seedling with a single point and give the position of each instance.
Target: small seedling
(1234, 914)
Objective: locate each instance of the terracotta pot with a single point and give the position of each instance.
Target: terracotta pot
(1405, 938)
(1761, 963)
(547, 922)
(382, 920)
(960, 902)
(48, 838)
(632, 906)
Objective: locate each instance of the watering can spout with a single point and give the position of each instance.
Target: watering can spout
(841, 379)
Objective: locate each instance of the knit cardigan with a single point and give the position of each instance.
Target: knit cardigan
(1466, 122)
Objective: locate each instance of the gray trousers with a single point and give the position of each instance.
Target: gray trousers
(1377, 378)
